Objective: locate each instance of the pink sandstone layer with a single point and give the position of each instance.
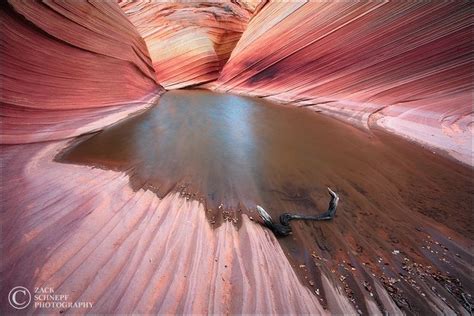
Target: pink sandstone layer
(69, 68)
(189, 41)
(85, 233)
(404, 66)
(68, 64)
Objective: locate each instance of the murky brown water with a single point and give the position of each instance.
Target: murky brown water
(234, 152)
(240, 151)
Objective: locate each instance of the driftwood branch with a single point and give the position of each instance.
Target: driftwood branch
(284, 229)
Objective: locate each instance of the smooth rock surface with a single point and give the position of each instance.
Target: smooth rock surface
(73, 67)
(65, 65)
(189, 41)
(405, 66)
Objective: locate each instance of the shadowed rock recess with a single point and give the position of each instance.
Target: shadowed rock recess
(139, 201)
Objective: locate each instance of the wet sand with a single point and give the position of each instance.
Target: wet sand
(401, 206)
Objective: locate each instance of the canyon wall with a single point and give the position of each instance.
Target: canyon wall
(189, 42)
(404, 66)
(73, 67)
(66, 66)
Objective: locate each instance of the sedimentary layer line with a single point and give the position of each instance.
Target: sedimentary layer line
(86, 233)
(189, 42)
(404, 66)
(64, 65)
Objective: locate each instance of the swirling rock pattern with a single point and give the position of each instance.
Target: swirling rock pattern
(189, 41)
(84, 232)
(397, 201)
(69, 68)
(68, 64)
(405, 66)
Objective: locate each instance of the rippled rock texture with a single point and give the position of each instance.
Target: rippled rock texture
(189, 41)
(66, 65)
(73, 67)
(398, 203)
(403, 65)
(84, 232)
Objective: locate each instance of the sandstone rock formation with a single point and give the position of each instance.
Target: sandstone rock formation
(68, 64)
(189, 42)
(73, 67)
(84, 232)
(405, 66)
